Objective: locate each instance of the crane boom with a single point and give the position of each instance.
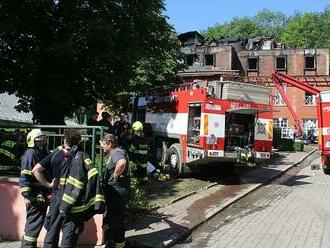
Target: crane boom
(279, 79)
(294, 82)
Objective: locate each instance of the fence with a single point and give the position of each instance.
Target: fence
(13, 143)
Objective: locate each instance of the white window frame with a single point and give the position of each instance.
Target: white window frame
(278, 100)
(309, 99)
(281, 122)
(308, 124)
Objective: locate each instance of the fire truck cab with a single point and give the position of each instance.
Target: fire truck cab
(206, 120)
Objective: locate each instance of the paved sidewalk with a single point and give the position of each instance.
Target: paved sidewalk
(290, 212)
(176, 221)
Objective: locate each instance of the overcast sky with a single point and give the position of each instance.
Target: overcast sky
(190, 15)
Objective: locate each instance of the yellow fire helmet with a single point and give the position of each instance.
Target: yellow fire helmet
(137, 126)
(34, 134)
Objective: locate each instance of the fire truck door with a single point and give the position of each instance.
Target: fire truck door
(194, 123)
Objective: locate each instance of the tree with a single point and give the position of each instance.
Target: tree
(270, 23)
(239, 28)
(324, 38)
(243, 28)
(217, 31)
(302, 31)
(60, 55)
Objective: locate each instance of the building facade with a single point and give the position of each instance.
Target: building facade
(253, 61)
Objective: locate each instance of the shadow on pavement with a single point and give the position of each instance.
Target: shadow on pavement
(160, 231)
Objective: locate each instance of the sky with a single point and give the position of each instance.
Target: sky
(198, 15)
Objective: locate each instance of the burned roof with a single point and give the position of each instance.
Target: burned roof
(190, 35)
(228, 40)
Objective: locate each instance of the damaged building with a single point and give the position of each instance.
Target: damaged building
(254, 60)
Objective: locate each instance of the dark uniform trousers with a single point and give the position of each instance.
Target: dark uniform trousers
(35, 216)
(138, 153)
(71, 227)
(113, 222)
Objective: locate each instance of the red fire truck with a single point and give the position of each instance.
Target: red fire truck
(323, 113)
(205, 120)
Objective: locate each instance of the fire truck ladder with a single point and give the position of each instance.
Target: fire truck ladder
(279, 79)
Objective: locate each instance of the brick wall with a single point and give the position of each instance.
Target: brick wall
(296, 97)
(295, 58)
(224, 57)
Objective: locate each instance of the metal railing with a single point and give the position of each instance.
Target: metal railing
(13, 143)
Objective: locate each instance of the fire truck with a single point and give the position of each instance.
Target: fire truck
(207, 120)
(323, 113)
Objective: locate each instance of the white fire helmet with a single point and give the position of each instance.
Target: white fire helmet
(34, 134)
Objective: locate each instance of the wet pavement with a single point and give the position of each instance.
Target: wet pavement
(291, 211)
(176, 221)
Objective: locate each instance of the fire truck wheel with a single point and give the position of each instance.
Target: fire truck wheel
(175, 160)
(161, 152)
(326, 171)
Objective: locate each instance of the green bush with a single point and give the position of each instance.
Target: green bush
(286, 145)
(299, 146)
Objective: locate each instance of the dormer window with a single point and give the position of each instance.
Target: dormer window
(209, 59)
(253, 64)
(310, 63)
(280, 63)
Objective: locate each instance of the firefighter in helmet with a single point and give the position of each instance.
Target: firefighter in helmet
(34, 195)
(69, 186)
(138, 150)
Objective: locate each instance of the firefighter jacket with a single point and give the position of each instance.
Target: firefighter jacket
(138, 150)
(82, 194)
(29, 185)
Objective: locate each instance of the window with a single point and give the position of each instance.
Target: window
(309, 125)
(278, 100)
(209, 59)
(286, 132)
(309, 99)
(310, 62)
(190, 59)
(253, 64)
(280, 122)
(280, 63)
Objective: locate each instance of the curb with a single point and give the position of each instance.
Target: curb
(215, 184)
(234, 199)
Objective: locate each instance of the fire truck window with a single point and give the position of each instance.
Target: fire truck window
(194, 124)
(239, 131)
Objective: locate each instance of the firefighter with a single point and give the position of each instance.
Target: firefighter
(58, 218)
(138, 150)
(117, 192)
(121, 130)
(106, 122)
(35, 196)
